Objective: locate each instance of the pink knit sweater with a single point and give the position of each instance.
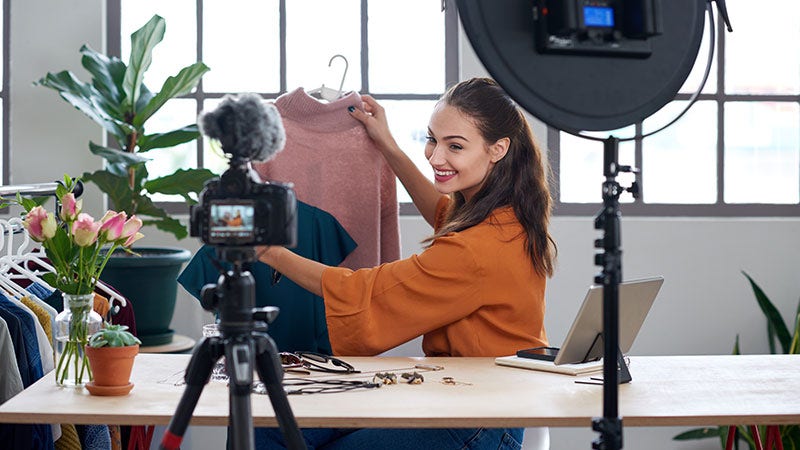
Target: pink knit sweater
(335, 166)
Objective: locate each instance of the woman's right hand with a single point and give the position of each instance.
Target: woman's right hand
(373, 117)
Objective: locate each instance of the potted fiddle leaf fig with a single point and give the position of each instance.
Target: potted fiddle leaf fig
(117, 99)
(111, 352)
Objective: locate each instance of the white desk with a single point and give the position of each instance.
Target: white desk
(665, 391)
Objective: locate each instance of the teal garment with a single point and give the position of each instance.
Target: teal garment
(301, 324)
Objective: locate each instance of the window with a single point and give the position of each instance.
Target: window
(737, 150)
(404, 55)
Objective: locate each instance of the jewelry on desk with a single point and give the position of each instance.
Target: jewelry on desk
(418, 367)
(452, 382)
(311, 386)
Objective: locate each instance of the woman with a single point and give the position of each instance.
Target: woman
(478, 288)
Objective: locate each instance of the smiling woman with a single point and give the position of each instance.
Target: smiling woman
(478, 288)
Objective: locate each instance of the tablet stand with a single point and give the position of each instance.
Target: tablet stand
(623, 374)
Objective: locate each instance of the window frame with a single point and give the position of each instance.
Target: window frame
(717, 209)
(114, 45)
(4, 95)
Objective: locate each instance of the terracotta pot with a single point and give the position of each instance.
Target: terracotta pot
(111, 369)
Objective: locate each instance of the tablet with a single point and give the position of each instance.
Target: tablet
(584, 339)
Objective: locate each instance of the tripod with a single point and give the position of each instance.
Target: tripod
(240, 342)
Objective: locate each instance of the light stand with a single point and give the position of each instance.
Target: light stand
(575, 70)
(243, 340)
(610, 260)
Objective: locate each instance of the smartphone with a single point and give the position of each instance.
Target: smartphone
(543, 353)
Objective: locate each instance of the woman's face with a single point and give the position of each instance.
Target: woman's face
(460, 157)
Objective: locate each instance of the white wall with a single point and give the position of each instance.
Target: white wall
(704, 303)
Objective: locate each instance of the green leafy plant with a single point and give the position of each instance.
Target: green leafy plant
(777, 334)
(118, 100)
(113, 335)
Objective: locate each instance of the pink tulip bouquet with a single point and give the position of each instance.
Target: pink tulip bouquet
(78, 248)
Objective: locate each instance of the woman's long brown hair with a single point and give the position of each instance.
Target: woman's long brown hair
(520, 179)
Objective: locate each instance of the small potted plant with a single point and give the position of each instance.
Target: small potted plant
(111, 352)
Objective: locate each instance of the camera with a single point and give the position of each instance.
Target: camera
(238, 210)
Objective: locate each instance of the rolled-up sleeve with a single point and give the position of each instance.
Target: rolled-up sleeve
(373, 310)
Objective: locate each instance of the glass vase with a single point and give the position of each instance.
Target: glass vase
(74, 325)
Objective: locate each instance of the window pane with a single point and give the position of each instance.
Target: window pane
(762, 152)
(176, 113)
(177, 50)
(406, 47)
(751, 64)
(581, 166)
(696, 75)
(241, 45)
(679, 163)
(408, 120)
(315, 31)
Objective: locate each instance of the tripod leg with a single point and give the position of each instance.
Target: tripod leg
(197, 375)
(239, 362)
(269, 371)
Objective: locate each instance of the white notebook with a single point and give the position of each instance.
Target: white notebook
(548, 366)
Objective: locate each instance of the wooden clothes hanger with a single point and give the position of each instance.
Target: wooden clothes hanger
(325, 93)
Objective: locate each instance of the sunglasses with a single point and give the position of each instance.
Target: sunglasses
(315, 361)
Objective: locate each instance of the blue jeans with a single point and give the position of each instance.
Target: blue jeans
(397, 438)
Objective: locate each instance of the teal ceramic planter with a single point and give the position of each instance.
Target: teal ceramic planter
(149, 282)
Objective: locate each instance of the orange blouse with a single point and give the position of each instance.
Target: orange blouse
(471, 293)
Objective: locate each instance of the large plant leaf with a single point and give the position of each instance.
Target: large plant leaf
(794, 348)
(180, 84)
(146, 207)
(698, 433)
(116, 187)
(182, 182)
(107, 76)
(170, 225)
(169, 139)
(774, 318)
(85, 98)
(143, 41)
(162, 219)
(115, 156)
(144, 98)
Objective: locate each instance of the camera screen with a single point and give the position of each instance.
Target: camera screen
(231, 220)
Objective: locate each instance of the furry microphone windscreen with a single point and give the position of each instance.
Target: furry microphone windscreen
(246, 126)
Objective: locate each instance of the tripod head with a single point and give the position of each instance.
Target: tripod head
(233, 297)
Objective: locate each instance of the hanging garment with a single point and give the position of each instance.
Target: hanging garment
(10, 380)
(335, 166)
(29, 342)
(20, 436)
(300, 325)
(41, 315)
